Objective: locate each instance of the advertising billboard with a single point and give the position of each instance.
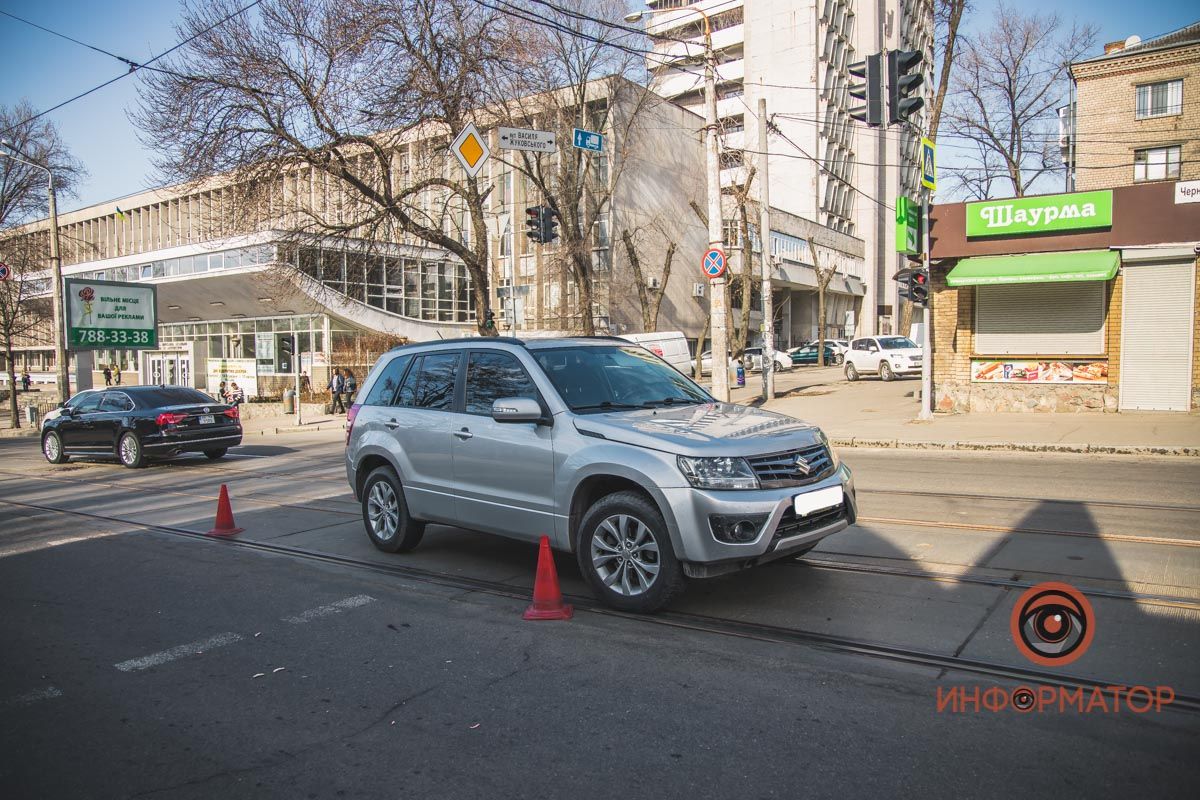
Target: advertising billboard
(108, 314)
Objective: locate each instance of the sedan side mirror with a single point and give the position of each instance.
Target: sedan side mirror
(516, 409)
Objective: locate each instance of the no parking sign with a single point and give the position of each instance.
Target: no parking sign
(5, 272)
(713, 263)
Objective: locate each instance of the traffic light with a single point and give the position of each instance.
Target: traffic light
(904, 278)
(489, 320)
(904, 79)
(870, 91)
(533, 223)
(549, 225)
(918, 287)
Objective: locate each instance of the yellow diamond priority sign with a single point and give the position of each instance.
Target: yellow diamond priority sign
(470, 149)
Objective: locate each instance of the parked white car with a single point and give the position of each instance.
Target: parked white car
(754, 359)
(885, 356)
(670, 346)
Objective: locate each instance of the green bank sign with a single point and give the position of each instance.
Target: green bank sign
(1021, 216)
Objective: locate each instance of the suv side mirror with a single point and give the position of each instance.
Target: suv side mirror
(516, 409)
(872, 349)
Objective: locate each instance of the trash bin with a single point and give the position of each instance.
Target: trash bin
(289, 401)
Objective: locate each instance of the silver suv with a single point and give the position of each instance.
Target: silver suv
(598, 444)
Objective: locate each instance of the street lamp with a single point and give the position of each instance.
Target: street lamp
(60, 349)
(716, 234)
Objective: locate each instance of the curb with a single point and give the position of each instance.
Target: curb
(1021, 447)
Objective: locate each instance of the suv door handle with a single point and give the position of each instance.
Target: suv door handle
(464, 434)
(391, 425)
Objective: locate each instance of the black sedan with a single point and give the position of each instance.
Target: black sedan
(134, 423)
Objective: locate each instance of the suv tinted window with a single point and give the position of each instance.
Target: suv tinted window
(860, 344)
(491, 376)
(114, 402)
(430, 383)
(383, 392)
(89, 403)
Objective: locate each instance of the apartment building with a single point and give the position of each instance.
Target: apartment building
(1137, 112)
(824, 167)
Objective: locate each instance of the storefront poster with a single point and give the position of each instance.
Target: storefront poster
(242, 371)
(1039, 371)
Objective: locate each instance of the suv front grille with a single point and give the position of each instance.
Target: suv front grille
(791, 524)
(793, 468)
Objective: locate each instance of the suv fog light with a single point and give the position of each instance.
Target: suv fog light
(736, 528)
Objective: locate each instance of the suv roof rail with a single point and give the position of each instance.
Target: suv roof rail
(462, 340)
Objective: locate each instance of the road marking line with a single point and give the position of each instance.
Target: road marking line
(29, 698)
(195, 648)
(332, 608)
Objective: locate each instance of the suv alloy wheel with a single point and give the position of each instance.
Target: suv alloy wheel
(385, 514)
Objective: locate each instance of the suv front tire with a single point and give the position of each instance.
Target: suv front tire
(625, 554)
(385, 514)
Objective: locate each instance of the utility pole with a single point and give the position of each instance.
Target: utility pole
(926, 351)
(60, 348)
(764, 238)
(718, 303)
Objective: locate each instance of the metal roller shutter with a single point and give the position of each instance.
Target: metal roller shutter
(1037, 319)
(1156, 337)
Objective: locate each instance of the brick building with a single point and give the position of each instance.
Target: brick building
(1137, 112)
(1075, 302)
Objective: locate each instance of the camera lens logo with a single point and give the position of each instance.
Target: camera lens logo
(1052, 624)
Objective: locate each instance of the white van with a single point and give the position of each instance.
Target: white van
(670, 346)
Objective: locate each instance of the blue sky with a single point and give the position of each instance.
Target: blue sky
(48, 70)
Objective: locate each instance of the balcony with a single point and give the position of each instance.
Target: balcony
(674, 82)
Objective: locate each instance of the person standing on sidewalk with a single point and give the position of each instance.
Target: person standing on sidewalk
(351, 387)
(25, 381)
(336, 387)
(116, 370)
(107, 376)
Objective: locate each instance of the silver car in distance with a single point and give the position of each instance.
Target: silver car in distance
(598, 444)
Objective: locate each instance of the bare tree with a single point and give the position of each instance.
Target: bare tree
(23, 193)
(947, 16)
(574, 77)
(824, 276)
(1010, 81)
(25, 309)
(649, 299)
(287, 103)
(741, 287)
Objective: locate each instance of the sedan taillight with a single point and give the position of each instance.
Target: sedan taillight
(167, 418)
(232, 413)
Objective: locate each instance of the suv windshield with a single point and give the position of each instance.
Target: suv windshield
(896, 342)
(605, 378)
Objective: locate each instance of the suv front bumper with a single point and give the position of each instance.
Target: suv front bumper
(784, 533)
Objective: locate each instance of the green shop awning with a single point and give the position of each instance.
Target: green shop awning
(1083, 265)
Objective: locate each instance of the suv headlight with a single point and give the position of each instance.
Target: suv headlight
(718, 473)
(833, 453)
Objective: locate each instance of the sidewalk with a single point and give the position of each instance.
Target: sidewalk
(871, 413)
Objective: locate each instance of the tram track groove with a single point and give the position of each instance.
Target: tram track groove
(700, 623)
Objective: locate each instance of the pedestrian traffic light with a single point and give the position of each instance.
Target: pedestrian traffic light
(533, 223)
(904, 78)
(870, 91)
(489, 320)
(549, 224)
(918, 287)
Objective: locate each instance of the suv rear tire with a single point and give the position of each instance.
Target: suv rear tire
(623, 541)
(385, 514)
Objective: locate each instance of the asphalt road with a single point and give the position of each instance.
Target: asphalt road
(140, 663)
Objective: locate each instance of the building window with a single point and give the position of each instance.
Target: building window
(1156, 164)
(1159, 99)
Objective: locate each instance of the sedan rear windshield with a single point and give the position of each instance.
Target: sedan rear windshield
(896, 342)
(599, 378)
(171, 396)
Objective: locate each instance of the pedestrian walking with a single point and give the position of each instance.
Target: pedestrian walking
(351, 387)
(116, 369)
(236, 395)
(336, 386)
(107, 376)
(26, 381)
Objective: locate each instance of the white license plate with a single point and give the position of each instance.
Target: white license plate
(207, 419)
(819, 500)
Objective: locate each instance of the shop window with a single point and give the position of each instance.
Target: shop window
(1040, 319)
(1156, 164)
(1161, 99)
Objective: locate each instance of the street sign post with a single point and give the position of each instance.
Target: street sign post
(928, 164)
(526, 139)
(108, 314)
(907, 226)
(587, 140)
(470, 149)
(713, 263)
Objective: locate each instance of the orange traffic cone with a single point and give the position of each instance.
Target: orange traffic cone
(225, 526)
(547, 597)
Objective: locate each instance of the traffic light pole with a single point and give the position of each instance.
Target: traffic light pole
(926, 337)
